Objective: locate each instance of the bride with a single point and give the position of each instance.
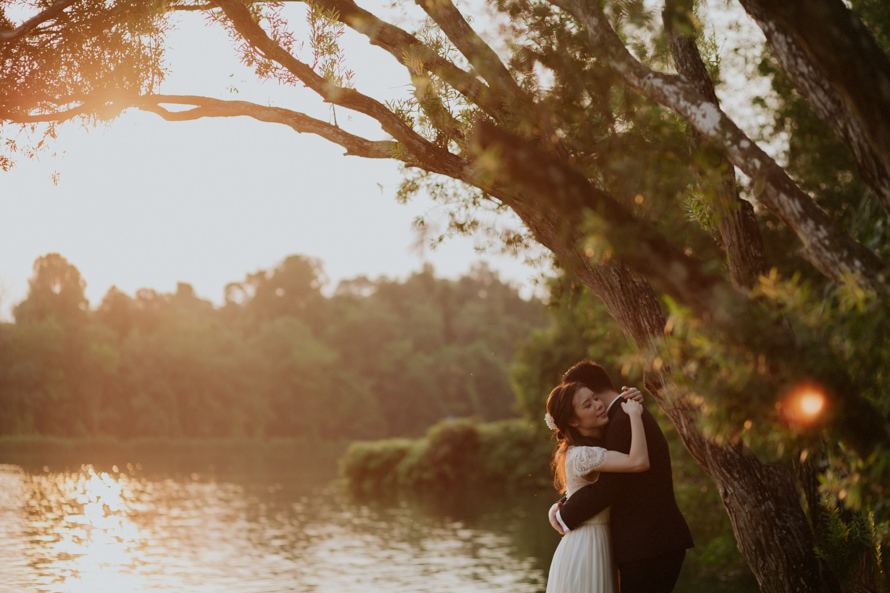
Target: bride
(583, 561)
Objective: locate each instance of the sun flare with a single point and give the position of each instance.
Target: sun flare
(804, 404)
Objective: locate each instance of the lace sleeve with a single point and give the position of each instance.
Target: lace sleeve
(583, 460)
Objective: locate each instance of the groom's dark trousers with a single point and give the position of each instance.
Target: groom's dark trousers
(651, 575)
(649, 534)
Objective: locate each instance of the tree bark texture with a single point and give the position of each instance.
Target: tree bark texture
(837, 65)
(763, 504)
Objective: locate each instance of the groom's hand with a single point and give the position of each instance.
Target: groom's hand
(554, 522)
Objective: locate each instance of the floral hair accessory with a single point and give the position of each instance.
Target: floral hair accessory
(548, 420)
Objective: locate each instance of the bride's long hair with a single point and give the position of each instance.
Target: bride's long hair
(561, 407)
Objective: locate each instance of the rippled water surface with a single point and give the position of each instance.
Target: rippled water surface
(123, 529)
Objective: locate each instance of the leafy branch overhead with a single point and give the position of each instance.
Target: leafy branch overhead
(740, 264)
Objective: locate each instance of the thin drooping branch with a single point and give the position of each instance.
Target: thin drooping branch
(826, 245)
(25, 28)
(813, 84)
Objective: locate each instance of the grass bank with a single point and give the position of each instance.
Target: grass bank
(38, 453)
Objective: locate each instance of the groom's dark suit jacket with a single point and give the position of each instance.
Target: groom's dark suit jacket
(645, 519)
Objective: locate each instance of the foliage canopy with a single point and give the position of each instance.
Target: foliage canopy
(390, 359)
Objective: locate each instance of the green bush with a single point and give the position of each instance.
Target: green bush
(515, 454)
(453, 453)
(370, 466)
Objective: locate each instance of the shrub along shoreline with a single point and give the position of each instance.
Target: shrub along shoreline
(454, 453)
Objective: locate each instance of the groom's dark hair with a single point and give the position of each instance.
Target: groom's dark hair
(592, 375)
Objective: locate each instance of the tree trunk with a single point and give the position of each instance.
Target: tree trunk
(762, 501)
(763, 504)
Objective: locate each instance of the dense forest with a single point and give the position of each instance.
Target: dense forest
(378, 358)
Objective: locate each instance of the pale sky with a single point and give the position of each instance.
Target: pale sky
(144, 203)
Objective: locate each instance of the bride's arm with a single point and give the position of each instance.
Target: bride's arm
(637, 460)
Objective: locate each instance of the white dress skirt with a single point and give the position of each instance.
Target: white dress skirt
(583, 560)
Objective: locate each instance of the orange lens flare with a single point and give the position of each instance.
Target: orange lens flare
(804, 404)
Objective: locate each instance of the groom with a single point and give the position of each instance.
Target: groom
(649, 534)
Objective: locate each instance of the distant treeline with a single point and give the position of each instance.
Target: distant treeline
(379, 358)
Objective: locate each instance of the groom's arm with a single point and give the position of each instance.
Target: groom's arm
(592, 499)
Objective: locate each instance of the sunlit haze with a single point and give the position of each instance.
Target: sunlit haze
(143, 203)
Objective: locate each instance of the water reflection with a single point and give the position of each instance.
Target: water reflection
(77, 531)
(126, 530)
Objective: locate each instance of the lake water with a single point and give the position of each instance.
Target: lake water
(197, 525)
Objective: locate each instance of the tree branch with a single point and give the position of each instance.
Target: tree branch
(257, 38)
(736, 221)
(484, 59)
(519, 165)
(528, 180)
(414, 55)
(208, 107)
(826, 245)
(22, 30)
(473, 48)
(812, 80)
(299, 122)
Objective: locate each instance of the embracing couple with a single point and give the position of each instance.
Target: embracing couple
(622, 528)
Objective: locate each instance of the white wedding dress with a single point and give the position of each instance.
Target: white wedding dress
(583, 561)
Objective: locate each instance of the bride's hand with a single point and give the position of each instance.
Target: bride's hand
(632, 393)
(554, 522)
(632, 407)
